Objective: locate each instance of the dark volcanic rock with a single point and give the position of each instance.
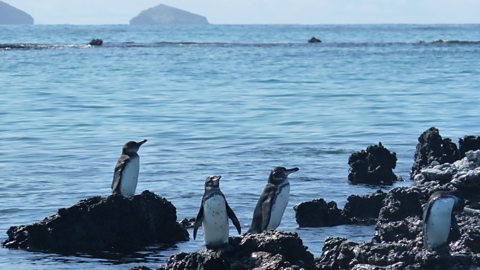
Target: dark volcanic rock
(97, 224)
(364, 209)
(398, 239)
(12, 15)
(358, 210)
(314, 40)
(403, 248)
(401, 203)
(374, 166)
(431, 147)
(468, 143)
(268, 250)
(96, 42)
(165, 15)
(318, 213)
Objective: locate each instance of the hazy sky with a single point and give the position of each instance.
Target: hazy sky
(259, 11)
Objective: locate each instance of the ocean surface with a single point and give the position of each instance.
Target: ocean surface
(232, 100)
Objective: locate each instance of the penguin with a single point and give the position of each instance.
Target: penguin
(213, 215)
(273, 201)
(438, 219)
(125, 176)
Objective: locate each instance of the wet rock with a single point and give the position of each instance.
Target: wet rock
(188, 222)
(468, 143)
(314, 40)
(401, 203)
(358, 210)
(96, 42)
(319, 213)
(268, 250)
(364, 209)
(462, 176)
(339, 253)
(373, 166)
(99, 224)
(431, 147)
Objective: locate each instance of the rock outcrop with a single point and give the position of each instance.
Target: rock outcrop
(99, 224)
(398, 239)
(166, 15)
(12, 15)
(373, 166)
(269, 250)
(432, 147)
(357, 210)
(468, 143)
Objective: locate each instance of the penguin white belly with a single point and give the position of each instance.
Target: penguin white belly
(215, 221)
(278, 208)
(129, 179)
(439, 222)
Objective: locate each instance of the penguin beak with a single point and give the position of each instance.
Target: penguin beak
(142, 142)
(292, 170)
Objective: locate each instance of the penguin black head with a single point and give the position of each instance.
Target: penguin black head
(459, 202)
(132, 147)
(213, 181)
(280, 174)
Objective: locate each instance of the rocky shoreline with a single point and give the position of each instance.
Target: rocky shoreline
(92, 225)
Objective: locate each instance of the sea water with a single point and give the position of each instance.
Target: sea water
(230, 100)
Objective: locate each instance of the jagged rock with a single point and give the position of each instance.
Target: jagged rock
(462, 176)
(468, 143)
(188, 222)
(98, 224)
(96, 42)
(166, 15)
(268, 250)
(314, 40)
(339, 253)
(374, 166)
(358, 210)
(318, 213)
(401, 203)
(364, 209)
(12, 15)
(431, 147)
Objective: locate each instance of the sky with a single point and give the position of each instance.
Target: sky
(259, 11)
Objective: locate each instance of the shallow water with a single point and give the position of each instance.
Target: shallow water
(227, 100)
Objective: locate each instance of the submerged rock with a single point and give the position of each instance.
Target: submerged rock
(373, 166)
(96, 42)
(268, 250)
(98, 224)
(432, 148)
(358, 210)
(314, 40)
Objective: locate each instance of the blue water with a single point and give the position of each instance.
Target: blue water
(228, 100)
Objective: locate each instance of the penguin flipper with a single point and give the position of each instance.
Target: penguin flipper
(257, 219)
(117, 175)
(234, 218)
(198, 221)
(426, 213)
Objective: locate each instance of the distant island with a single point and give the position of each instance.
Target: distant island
(13, 15)
(166, 15)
